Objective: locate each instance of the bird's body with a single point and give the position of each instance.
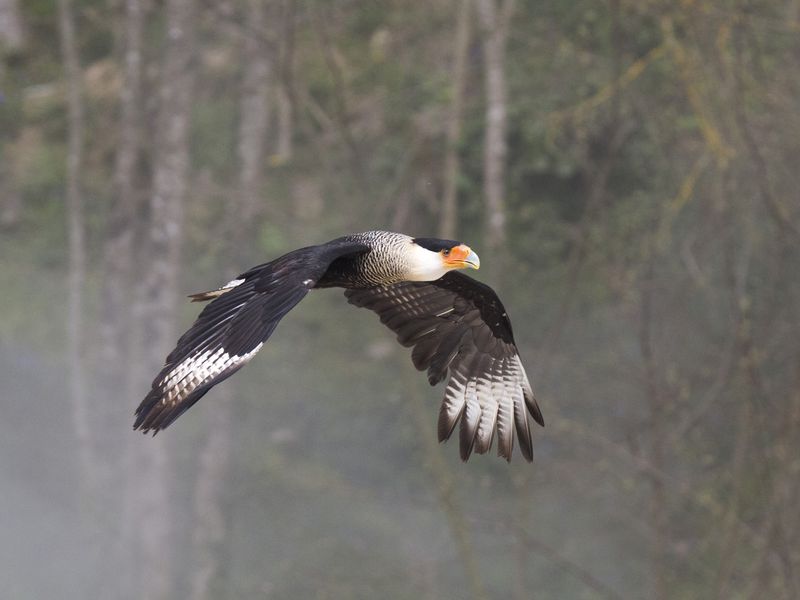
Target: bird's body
(455, 324)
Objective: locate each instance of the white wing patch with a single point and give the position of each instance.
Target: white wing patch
(194, 371)
(232, 284)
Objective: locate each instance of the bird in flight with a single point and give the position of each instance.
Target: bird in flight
(455, 325)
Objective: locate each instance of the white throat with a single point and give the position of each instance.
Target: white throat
(424, 265)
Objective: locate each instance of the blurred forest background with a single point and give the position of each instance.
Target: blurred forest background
(628, 172)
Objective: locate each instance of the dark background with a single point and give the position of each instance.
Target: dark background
(628, 173)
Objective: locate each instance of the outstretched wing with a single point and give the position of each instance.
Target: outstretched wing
(231, 329)
(458, 324)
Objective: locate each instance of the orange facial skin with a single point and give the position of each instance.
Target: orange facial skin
(461, 257)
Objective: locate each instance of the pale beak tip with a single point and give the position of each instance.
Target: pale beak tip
(473, 261)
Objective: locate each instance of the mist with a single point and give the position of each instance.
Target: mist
(627, 174)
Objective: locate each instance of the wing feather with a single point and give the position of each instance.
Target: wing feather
(521, 419)
(452, 406)
(505, 417)
(447, 352)
(458, 326)
(232, 328)
(489, 403)
(469, 420)
(424, 351)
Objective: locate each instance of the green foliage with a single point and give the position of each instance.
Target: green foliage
(637, 180)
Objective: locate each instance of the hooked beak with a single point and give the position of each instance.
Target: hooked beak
(462, 257)
(472, 260)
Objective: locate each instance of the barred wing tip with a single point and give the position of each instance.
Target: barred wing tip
(181, 385)
(459, 328)
(494, 401)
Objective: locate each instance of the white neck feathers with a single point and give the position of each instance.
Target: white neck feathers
(424, 265)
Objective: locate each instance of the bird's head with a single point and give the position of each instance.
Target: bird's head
(432, 258)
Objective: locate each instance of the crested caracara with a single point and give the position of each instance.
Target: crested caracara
(454, 324)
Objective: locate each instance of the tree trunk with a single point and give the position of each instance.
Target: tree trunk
(12, 39)
(10, 198)
(255, 112)
(118, 268)
(284, 95)
(77, 244)
(12, 34)
(285, 133)
(494, 21)
(171, 167)
(121, 315)
(448, 222)
(210, 527)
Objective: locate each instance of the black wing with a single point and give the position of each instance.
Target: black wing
(232, 328)
(459, 324)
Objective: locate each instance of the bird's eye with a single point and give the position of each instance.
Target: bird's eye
(446, 252)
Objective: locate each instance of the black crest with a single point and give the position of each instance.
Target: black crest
(435, 244)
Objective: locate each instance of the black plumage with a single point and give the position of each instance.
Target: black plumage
(232, 328)
(455, 325)
(435, 244)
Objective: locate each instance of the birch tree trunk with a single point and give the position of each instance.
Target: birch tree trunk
(121, 314)
(12, 39)
(210, 527)
(119, 261)
(449, 221)
(171, 167)
(255, 112)
(77, 244)
(494, 22)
